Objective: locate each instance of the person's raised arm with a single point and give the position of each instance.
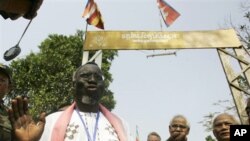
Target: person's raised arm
(24, 127)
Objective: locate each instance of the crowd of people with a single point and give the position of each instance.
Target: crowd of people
(179, 128)
(86, 119)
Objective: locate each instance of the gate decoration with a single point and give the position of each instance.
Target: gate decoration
(226, 43)
(146, 40)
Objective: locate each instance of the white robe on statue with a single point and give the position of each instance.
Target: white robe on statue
(76, 132)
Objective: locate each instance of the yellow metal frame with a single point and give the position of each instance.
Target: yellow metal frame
(241, 57)
(146, 40)
(225, 41)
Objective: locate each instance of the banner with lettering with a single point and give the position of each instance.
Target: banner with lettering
(152, 40)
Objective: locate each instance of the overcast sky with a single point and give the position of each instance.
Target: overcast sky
(148, 91)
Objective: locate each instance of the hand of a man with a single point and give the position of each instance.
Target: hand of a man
(24, 127)
(178, 136)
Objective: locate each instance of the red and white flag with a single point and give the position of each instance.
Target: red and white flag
(169, 14)
(93, 15)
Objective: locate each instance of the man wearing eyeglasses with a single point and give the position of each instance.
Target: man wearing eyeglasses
(5, 87)
(221, 126)
(248, 110)
(179, 128)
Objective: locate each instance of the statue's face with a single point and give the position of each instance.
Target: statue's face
(89, 84)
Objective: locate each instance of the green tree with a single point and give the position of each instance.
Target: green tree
(209, 138)
(46, 77)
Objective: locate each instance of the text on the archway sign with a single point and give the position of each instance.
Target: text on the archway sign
(149, 37)
(152, 40)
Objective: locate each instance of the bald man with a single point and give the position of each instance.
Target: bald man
(221, 126)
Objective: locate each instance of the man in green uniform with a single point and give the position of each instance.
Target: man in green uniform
(5, 87)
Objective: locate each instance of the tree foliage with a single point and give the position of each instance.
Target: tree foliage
(222, 106)
(46, 77)
(209, 138)
(243, 29)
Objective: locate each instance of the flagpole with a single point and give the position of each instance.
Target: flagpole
(86, 29)
(160, 20)
(85, 54)
(160, 15)
(90, 14)
(163, 18)
(175, 52)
